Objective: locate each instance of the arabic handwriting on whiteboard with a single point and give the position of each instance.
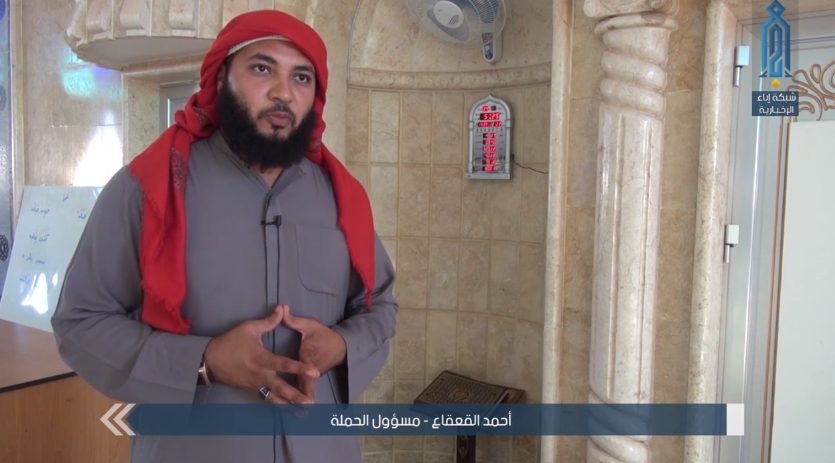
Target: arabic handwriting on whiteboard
(34, 236)
(51, 222)
(37, 210)
(38, 260)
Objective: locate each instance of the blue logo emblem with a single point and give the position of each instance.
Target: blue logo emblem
(776, 48)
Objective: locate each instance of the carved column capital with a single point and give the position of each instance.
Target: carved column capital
(76, 32)
(605, 8)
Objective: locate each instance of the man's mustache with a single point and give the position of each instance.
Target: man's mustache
(279, 108)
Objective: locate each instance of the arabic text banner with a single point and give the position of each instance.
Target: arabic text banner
(784, 103)
(411, 419)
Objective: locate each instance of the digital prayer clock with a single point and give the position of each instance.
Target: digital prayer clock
(489, 155)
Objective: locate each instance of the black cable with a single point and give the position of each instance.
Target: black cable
(513, 160)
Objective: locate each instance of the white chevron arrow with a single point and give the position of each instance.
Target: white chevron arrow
(122, 424)
(118, 419)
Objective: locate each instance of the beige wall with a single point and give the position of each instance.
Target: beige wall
(72, 110)
(469, 253)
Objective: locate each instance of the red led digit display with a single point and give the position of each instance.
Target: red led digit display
(490, 120)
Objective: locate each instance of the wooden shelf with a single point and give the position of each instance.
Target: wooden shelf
(58, 422)
(28, 357)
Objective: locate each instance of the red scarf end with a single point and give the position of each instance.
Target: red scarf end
(161, 316)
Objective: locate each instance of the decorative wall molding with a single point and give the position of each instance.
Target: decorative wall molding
(816, 89)
(475, 80)
(166, 71)
(119, 33)
(627, 213)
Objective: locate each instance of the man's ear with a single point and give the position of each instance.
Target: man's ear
(221, 75)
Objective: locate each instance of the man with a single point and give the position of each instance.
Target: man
(235, 260)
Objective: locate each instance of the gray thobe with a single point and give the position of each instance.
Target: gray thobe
(237, 270)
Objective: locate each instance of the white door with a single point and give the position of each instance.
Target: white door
(804, 383)
(173, 98)
(758, 191)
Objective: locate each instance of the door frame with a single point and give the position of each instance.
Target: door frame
(169, 92)
(755, 203)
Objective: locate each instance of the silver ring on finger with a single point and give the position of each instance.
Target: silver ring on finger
(264, 392)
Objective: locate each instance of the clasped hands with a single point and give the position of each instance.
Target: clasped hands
(238, 359)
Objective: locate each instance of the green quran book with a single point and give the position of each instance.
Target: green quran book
(453, 388)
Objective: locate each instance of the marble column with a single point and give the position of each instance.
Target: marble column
(711, 215)
(628, 208)
(563, 24)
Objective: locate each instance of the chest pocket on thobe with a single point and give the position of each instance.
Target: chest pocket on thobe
(324, 271)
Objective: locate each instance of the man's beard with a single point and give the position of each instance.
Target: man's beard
(253, 147)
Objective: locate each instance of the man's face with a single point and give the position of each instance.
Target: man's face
(275, 82)
(265, 95)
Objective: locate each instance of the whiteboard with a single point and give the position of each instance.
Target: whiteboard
(49, 227)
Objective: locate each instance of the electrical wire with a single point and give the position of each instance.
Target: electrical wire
(513, 160)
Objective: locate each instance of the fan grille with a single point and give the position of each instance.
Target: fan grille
(478, 20)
